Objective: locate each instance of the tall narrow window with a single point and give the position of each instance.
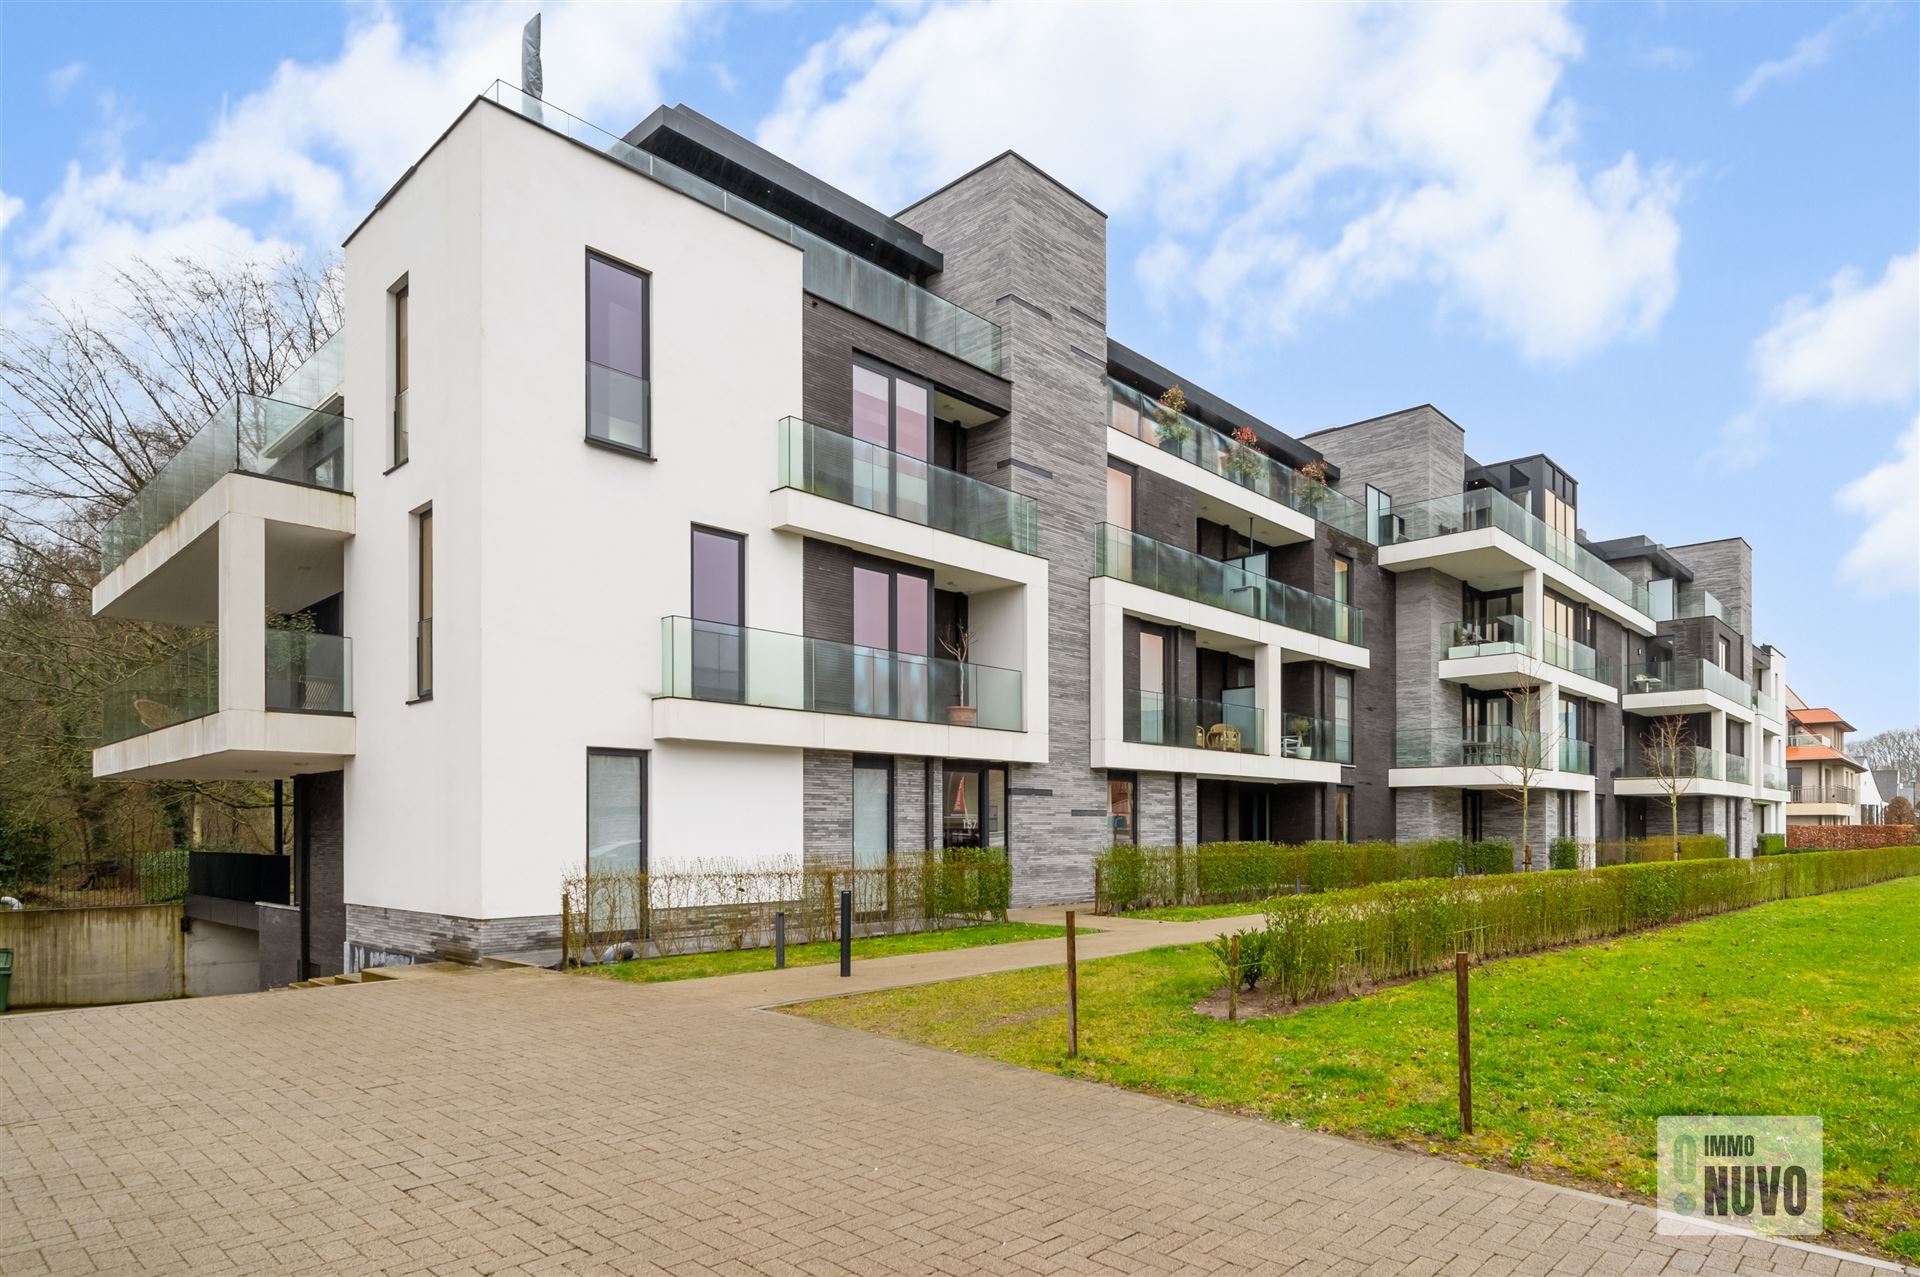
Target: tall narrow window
(1343, 813)
(401, 344)
(1342, 596)
(1342, 717)
(423, 606)
(1153, 688)
(616, 812)
(1724, 649)
(872, 835)
(893, 424)
(617, 391)
(974, 805)
(1121, 792)
(1119, 495)
(719, 613)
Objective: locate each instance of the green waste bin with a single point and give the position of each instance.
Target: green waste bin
(6, 977)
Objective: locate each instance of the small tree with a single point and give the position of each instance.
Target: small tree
(1667, 746)
(1170, 420)
(1527, 752)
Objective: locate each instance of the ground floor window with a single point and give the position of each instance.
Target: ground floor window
(616, 811)
(974, 809)
(872, 835)
(1471, 814)
(1122, 795)
(1343, 813)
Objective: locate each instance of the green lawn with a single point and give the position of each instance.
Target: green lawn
(1200, 913)
(694, 966)
(1810, 1006)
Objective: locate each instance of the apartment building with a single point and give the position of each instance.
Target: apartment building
(1828, 785)
(659, 504)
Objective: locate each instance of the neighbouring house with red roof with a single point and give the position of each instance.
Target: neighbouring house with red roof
(1824, 782)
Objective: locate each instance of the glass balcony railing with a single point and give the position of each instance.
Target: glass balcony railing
(1490, 508)
(1315, 739)
(1671, 602)
(1684, 763)
(1469, 747)
(1687, 674)
(1576, 657)
(841, 468)
(1128, 556)
(250, 435)
(709, 661)
(1735, 768)
(183, 687)
(309, 673)
(1768, 707)
(1773, 776)
(1804, 739)
(306, 673)
(828, 271)
(1498, 636)
(1232, 726)
(1199, 444)
(1575, 756)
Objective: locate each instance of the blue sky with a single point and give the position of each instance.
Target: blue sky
(1672, 245)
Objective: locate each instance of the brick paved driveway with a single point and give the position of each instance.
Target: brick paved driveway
(516, 1121)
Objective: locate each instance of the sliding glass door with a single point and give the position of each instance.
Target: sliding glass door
(893, 640)
(719, 613)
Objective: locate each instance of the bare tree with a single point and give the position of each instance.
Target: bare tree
(1526, 751)
(95, 397)
(1897, 748)
(1667, 747)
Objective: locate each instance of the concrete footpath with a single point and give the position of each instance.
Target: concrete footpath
(521, 1121)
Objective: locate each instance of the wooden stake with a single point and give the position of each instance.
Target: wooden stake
(1233, 978)
(566, 929)
(1073, 993)
(1466, 1041)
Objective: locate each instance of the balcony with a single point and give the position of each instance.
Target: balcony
(1575, 756)
(1490, 757)
(175, 718)
(1670, 604)
(1773, 777)
(1486, 509)
(1642, 771)
(1767, 707)
(1828, 793)
(1155, 565)
(829, 272)
(1576, 658)
(1685, 684)
(1502, 636)
(735, 684)
(1155, 718)
(250, 435)
(1195, 443)
(1496, 653)
(827, 463)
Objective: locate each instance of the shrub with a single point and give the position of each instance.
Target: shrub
(1564, 854)
(1643, 851)
(1840, 837)
(1898, 811)
(1771, 844)
(1332, 943)
(163, 876)
(1218, 873)
(26, 853)
(1253, 955)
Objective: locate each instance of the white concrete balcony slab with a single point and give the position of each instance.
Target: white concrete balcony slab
(1217, 497)
(232, 744)
(719, 722)
(1214, 764)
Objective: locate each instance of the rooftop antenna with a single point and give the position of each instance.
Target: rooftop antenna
(530, 79)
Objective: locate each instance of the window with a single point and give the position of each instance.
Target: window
(1380, 528)
(1724, 650)
(617, 391)
(894, 412)
(1343, 813)
(616, 811)
(1342, 595)
(423, 605)
(1121, 790)
(719, 612)
(1153, 688)
(1119, 495)
(872, 835)
(974, 810)
(892, 640)
(1472, 812)
(400, 382)
(1342, 717)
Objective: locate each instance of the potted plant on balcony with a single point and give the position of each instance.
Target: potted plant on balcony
(1244, 458)
(1302, 729)
(1170, 422)
(1311, 483)
(959, 645)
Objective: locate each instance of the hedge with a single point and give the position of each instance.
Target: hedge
(1645, 851)
(1843, 837)
(704, 906)
(1225, 872)
(1333, 943)
(1770, 845)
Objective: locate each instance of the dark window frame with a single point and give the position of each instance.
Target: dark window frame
(1133, 779)
(894, 376)
(694, 530)
(645, 838)
(884, 763)
(645, 276)
(422, 605)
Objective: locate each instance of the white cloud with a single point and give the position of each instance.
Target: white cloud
(60, 79)
(299, 160)
(1315, 156)
(1808, 52)
(1860, 344)
(1886, 559)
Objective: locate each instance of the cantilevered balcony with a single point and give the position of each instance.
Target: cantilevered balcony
(1685, 685)
(1230, 739)
(829, 271)
(1191, 722)
(180, 718)
(834, 465)
(1647, 771)
(739, 685)
(1499, 652)
(1486, 538)
(1232, 481)
(1169, 570)
(1669, 601)
(1490, 757)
